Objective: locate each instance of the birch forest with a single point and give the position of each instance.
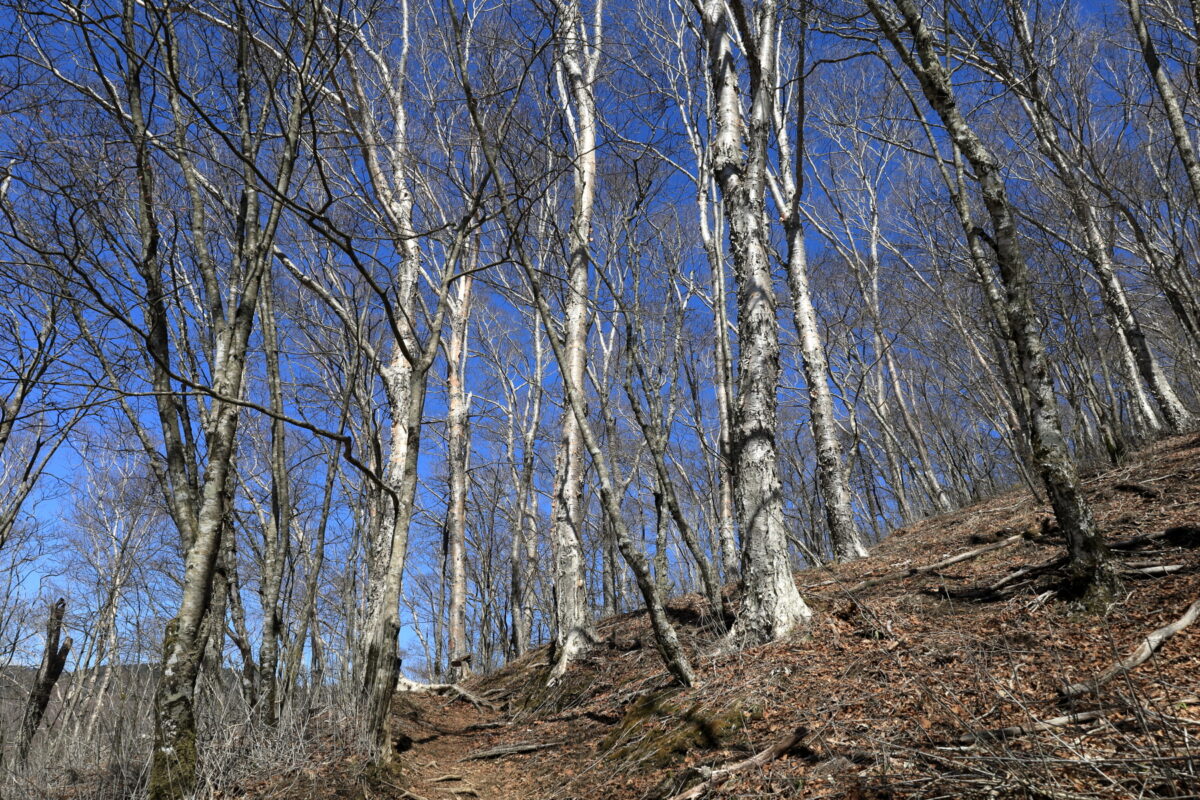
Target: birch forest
(355, 349)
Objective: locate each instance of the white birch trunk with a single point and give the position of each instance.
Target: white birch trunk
(832, 480)
(577, 61)
(772, 606)
(459, 448)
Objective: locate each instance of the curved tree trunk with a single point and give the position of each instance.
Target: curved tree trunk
(1089, 562)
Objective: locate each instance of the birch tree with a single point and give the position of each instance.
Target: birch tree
(458, 444)
(1031, 75)
(772, 606)
(667, 642)
(1167, 94)
(1091, 571)
(788, 188)
(579, 42)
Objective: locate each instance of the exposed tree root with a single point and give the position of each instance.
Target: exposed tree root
(509, 750)
(1141, 490)
(715, 777)
(1139, 656)
(993, 591)
(1013, 731)
(405, 685)
(1134, 542)
(908, 573)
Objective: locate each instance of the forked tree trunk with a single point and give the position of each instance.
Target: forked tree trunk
(662, 565)
(406, 380)
(405, 374)
(54, 659)
(174, 760)
(379, 664)
(772, 606)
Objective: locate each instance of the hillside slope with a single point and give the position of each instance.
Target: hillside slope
(902, 688)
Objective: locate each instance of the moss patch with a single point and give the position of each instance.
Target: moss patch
(173, 770)
(173, 764)
(659, 728)
(574, 688)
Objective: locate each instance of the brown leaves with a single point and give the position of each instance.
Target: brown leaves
(880, 708)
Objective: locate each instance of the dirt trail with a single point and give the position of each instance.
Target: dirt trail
(898, 682)
(441, 734)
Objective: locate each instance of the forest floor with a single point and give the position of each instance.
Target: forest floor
(902, 687)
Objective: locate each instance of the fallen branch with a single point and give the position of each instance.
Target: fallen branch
(1024, 572)
(1147, 492)
(1152, 571)
(992, 590)
(509, 750)
(405, 685)
(1013, 731)
(721, 775)
(487, 726)
(912, 571)
(1176, 536)
(1139, 540)
(1139, 656)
